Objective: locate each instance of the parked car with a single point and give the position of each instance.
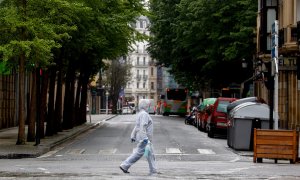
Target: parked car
(217, 121)
(126, 110)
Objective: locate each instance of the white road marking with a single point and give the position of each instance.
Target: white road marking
(50, 153)
(235, 160)
(75, 151)
(173, 151)
(107, 151)
(42, 169)
(206, 151)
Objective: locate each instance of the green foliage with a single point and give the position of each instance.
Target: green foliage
(35, 29)
(203, 41)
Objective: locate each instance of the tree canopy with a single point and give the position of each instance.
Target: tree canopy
(203, 41)
(67, 39)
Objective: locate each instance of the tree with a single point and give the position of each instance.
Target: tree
(31, 32)
(64, 38)
(118, 74)
(208, 38)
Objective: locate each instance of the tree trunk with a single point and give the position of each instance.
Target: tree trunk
(22, 60)
(58, 102)
(43, 107)
(84, 96)
(68, 103)
(32, 109)
(50, 118)
(21, 131)
(77, 99)
(72, 100)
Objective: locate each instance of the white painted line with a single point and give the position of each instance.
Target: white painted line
(206, 151)
(173, 151)
(235, 160)
(48, 154)
(75, 151)
(107, 151)
(42, 169)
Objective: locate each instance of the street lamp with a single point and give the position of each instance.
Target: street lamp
(106, 94)
(244, 63)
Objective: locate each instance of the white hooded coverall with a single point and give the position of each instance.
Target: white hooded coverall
(143, 130)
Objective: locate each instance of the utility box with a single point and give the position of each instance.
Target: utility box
(242, 121)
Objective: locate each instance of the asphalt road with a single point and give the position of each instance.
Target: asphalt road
(182, 152)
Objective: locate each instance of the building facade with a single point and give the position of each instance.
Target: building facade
(143, 83)
(287, 14)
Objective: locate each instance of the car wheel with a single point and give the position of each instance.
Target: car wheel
(204, 127)
(210, 133)
(185, 121)
(199, 125)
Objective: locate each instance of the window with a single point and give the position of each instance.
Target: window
(137, 48)
(141, 23)
(137, 60)
(176, 94)
(222, 106)
(137, 85)
(271, 2)
(144, 85)
(144, 60)
(144, 72)
(152, 71)
(152, 85)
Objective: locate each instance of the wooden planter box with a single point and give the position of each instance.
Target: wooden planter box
(275, 144)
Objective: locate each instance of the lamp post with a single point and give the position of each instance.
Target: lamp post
(244, 63)
(106, 94)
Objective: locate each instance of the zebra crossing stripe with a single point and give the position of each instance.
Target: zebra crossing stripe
(107, 151)
(173, 151)
(206, 151)
(76, 151)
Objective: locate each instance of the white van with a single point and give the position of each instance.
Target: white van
(152, 105)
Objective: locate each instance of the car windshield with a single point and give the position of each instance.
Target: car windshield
(222, 106)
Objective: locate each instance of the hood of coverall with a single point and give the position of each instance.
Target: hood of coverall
(144, 104)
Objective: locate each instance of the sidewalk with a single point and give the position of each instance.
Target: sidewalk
(8, 139)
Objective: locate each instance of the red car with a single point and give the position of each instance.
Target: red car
(217, 121)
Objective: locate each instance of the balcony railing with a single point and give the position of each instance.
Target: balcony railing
(145, 77)
(288, 35)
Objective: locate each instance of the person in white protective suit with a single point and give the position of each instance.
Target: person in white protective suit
(142, 134)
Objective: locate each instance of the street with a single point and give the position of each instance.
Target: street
(182, 152)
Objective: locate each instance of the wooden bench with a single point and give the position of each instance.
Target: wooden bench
(275, 144)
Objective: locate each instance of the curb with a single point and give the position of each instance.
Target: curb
(42, 149)
(75, 134)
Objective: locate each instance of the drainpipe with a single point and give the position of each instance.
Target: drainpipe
(287, 101)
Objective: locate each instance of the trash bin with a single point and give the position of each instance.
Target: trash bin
(242, 121)
(243, 100)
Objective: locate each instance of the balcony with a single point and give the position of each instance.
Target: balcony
(145, 77)
(141, 65)
(288, 40)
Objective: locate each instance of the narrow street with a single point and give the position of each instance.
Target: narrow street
(182, 152)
